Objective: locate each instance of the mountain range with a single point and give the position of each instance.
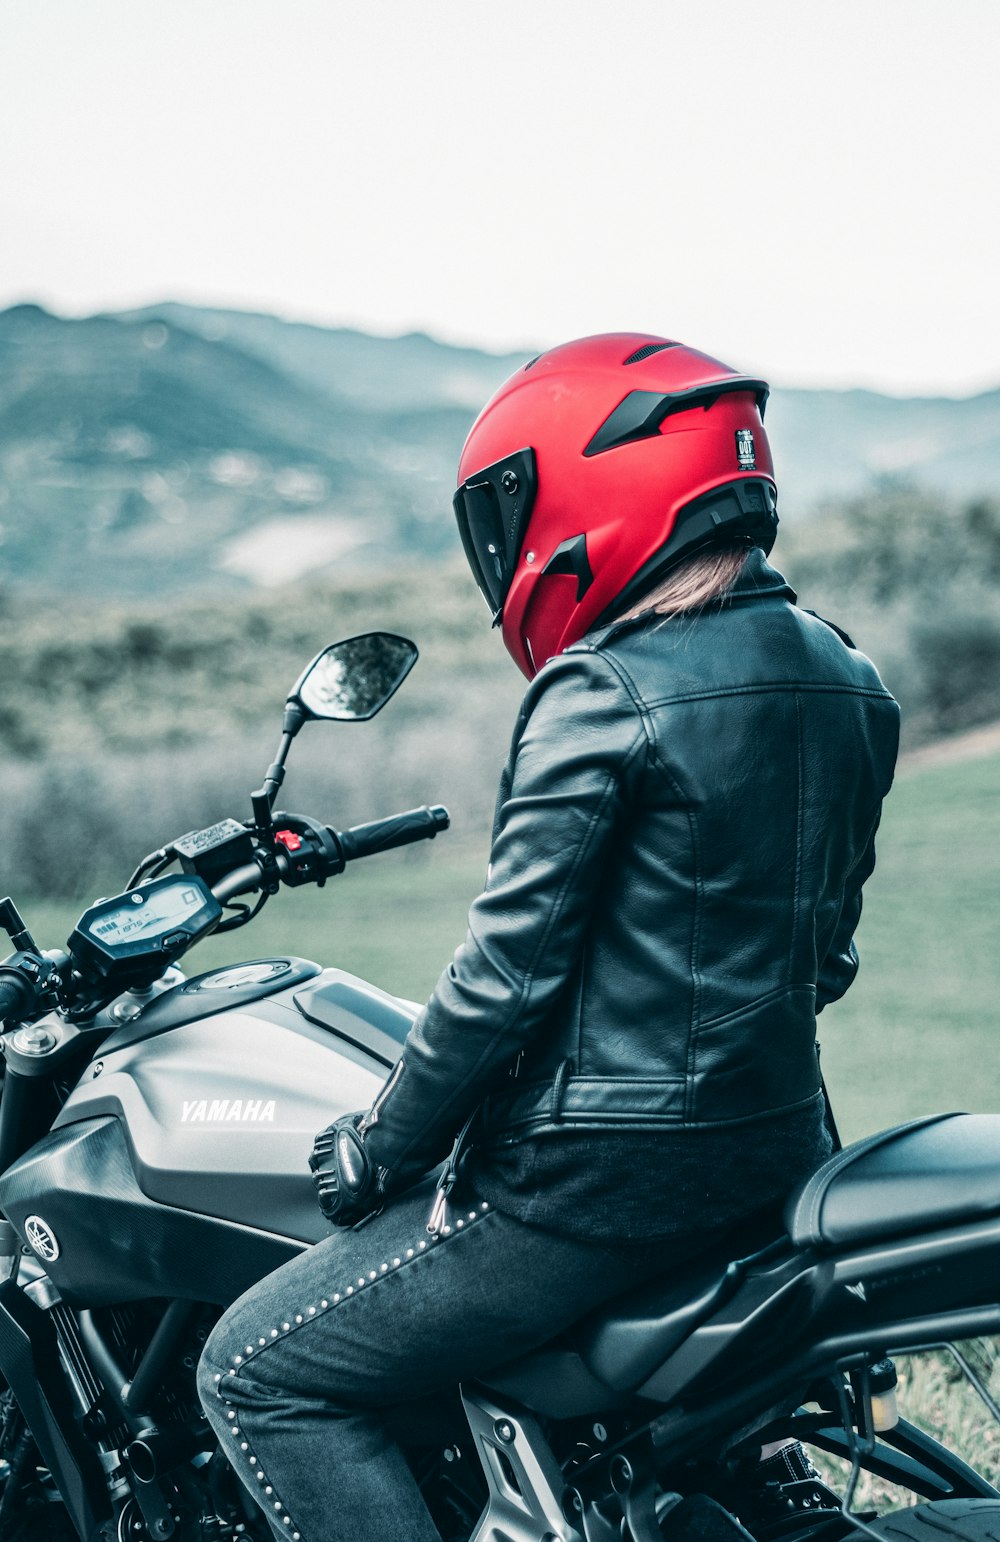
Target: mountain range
(182, 448)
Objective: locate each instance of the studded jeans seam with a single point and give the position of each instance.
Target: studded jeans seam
(422, 1249)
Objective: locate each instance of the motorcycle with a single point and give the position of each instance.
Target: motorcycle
(154, 1130)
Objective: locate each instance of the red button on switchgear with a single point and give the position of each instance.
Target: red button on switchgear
(288, 839)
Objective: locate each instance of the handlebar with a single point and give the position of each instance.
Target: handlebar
(416, 824)
(299, 851)
(15, 995)
(26, 981)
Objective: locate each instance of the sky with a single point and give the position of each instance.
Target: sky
(808, 191)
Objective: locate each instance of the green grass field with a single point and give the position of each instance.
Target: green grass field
(917, 1033)
(919, 1030)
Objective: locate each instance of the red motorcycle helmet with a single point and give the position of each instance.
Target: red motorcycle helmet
(597, 467)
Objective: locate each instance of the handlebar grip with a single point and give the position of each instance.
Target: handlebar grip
(15, 994)
(417, 824)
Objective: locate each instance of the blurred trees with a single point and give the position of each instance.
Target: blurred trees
(123, 727)
(916, 580)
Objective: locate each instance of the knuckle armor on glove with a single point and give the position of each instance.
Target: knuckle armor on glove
(347, 1180)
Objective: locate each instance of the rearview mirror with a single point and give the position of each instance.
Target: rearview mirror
(353, 679)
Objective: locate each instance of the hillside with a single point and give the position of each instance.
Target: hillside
(194, 502)
(178, 448)
(137, 457)
(125, 722)
(828, 444)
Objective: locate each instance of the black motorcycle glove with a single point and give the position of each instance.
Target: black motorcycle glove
(349, 1185)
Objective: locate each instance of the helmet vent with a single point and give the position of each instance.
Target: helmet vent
(646, 351)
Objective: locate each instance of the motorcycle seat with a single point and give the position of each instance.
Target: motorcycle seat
(623, 1343)
(934, 1172)
(601, 1360)
(612, 1351)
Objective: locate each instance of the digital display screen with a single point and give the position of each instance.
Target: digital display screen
(132, 937)
(149, 914)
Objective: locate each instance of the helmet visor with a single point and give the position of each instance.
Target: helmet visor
(493, 508)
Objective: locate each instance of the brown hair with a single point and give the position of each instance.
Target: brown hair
(707, 576)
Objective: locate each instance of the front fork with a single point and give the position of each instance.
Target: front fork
(66, 1381)
(31, 1363)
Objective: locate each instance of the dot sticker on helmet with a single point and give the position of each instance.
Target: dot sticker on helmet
(746, 456)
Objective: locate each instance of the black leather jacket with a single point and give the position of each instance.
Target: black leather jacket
(684, 825)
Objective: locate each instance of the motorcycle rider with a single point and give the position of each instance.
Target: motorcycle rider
(625, 1041)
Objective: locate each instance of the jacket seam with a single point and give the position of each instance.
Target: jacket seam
(776, 993)
(541, 1086)
(770, 687)
(696, 926)
(697, 917)
(529, 974)
(523, 1128)
(797, 887)
(580, 996)
(636, 696)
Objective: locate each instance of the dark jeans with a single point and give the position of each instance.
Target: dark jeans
(298, 1374)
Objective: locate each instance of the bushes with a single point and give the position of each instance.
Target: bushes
(121, 729)
(916, 580)
(957, 660)
(131, 754)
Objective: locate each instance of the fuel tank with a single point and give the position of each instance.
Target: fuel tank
(178, 1164)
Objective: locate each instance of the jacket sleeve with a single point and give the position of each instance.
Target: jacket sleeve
(561, 801)
(840, 966)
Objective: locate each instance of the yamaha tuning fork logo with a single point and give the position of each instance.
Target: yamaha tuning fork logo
(746, 455)
(41, 1238)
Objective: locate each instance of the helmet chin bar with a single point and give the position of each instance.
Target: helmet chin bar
(745, 510)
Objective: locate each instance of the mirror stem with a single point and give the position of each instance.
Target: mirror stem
(261, 803)
(263, 799)
(294, 718)
(274, 778)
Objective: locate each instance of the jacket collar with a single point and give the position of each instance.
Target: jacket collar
(758, 580)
